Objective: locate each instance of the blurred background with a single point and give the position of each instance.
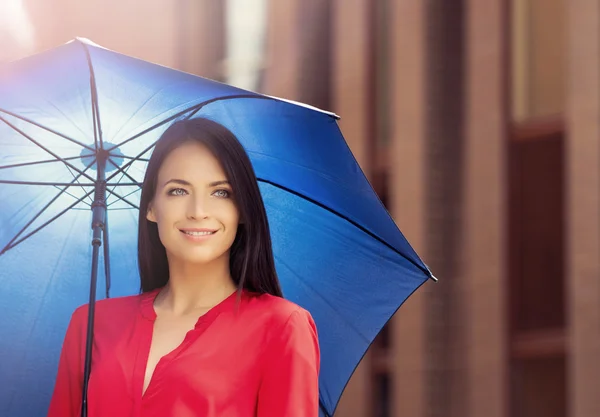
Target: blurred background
(477, 122)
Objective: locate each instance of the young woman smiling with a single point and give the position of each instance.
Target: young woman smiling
(210, 334)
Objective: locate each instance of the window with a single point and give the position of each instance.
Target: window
(538, 58)
(536, 224)
(246, 26)
(382, 395)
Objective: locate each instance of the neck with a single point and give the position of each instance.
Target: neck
(196, 288)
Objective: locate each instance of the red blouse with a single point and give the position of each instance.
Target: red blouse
(256, 358)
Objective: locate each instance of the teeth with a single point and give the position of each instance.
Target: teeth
(198, 233)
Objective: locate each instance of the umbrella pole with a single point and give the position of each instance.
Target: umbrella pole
(98, 225)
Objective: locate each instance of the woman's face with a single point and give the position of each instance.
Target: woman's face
(193, 206)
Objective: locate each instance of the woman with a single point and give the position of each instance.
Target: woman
(210, 335)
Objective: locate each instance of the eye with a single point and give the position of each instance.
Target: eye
(177, 192)
(222, 193)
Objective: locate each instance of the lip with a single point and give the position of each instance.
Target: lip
(197, 238)
(191, 229)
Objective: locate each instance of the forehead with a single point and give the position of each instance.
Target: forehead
(190, 161)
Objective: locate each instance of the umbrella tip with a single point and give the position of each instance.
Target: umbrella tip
(308, 106)
(85, 41)
(433, 278)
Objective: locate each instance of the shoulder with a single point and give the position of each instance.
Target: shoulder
(111, 307)
(277, 311)
(283, 322)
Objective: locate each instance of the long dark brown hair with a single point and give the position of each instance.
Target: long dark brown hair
(251, 260)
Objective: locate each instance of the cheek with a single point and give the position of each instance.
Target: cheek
(165, 232)
(228, 214)
(165, 216)
(168, 210)
(233, 220)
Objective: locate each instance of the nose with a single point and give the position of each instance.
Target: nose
(197, 207)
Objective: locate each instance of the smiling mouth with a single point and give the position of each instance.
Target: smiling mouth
(193, 233)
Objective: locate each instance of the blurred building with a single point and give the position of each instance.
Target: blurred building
(478, 123)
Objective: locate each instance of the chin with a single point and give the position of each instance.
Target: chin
(198, 255)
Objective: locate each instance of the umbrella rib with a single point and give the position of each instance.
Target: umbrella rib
(41, 212)
(68, 193)
(39, 162)
(124, 184)
(342, 216)
(192, 109)
(94, 93)
(125, 196)
(115, 209)
(11, 245)
(196, 110)
(75, 178)
(128, 164)
(122, 198)
(44, 148)
(117, 184)
(83, 145)
(143, 132)
(131, 157)
(51, 184)
(125, 174)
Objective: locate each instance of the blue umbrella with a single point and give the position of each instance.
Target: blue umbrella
(79, 116)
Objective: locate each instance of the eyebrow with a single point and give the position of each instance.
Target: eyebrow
(217, 183)
(187, 183)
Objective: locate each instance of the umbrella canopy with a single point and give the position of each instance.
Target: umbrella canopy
(338, 253)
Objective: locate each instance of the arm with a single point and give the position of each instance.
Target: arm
(66, 399)
(290, 382)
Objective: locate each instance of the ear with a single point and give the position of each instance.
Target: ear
(150, 214)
